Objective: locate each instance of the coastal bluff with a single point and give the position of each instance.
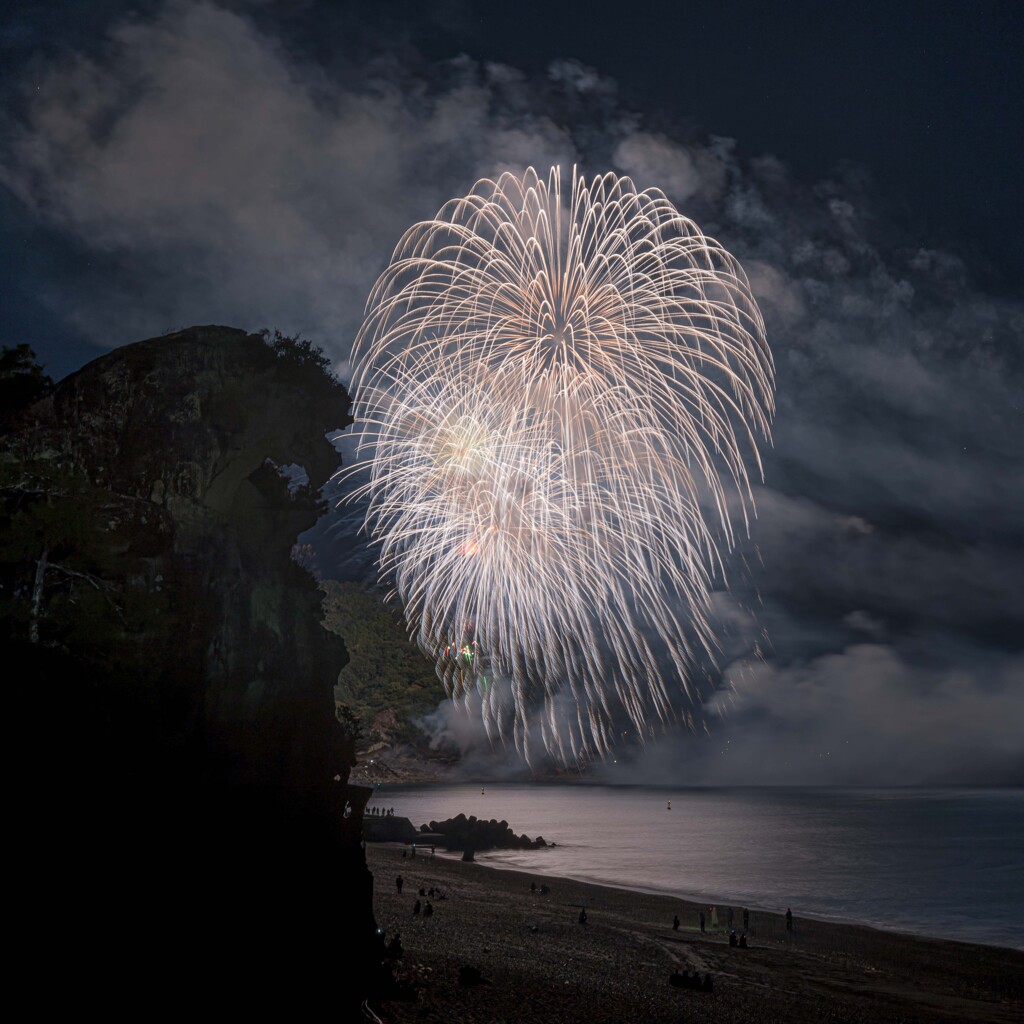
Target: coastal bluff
(187, 769)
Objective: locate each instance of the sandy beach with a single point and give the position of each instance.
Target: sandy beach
(538, 963)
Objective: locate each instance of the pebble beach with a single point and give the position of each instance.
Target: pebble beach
(496, 950)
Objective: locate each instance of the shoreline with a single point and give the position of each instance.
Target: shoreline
(540, 964)
(698, 899)
(933, 862)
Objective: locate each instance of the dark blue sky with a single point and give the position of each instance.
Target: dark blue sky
(925, 98)
(254, 163)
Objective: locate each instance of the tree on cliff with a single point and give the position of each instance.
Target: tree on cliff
(44, 536)
(22, 381)
(301, 356)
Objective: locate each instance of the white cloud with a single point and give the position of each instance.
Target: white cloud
(654, 161)
(253, 191)
(859, 716)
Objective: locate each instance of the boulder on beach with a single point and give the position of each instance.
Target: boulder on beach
(465, 833)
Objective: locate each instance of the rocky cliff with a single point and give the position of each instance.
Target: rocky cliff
(186, 774)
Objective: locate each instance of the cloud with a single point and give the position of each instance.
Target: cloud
(242, 186)
(207, 172)
(859, 716)
(680, 172)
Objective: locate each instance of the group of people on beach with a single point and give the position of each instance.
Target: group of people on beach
(423, 908)
(730, 917)
(418, 908)
(692, 981)
(381, 812)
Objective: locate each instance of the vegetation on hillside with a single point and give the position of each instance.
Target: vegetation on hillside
(387, 682)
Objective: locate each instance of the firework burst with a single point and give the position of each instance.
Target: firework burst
(556, 401)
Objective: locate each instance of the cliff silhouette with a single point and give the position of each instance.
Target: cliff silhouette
(185, 773)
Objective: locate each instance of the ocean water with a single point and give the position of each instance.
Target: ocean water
(940, 862)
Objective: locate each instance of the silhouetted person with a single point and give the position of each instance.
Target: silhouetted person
(398, 884)
(469, 976)
(544, 890)
(533, 887)
(708, 985)
(416, 908)
(746, 920)
(675, 923)
(428, 909)
(583, 916)
(743, 941)
(395, 951)
(733, 941)
(423, 891)
(677, 980)
(789, 920)
(701, 915)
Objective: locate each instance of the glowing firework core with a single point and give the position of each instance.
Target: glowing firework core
(556, 402)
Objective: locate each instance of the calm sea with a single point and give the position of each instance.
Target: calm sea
(941, 862)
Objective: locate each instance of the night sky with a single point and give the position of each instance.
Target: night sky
(253, 164)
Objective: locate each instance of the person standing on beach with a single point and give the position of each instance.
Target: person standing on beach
(714, 917)
(675, 923)
(398, 884)
(789, 919)
(701, 915)
(746, 920)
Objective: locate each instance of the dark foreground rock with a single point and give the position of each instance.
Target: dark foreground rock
(184, 775)
(388, 829)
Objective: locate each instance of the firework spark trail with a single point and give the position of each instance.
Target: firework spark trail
(548, 397)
